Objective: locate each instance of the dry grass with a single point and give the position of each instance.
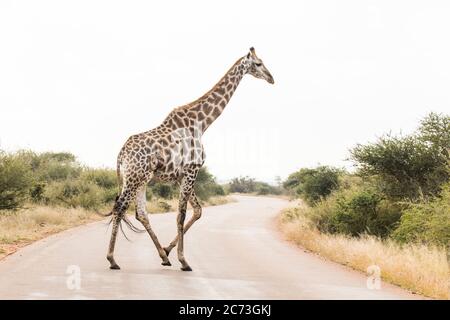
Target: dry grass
(18, 229)
(22, 227)
(419, 268)
(219, 200)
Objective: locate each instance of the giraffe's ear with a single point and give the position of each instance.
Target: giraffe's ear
(251, 53)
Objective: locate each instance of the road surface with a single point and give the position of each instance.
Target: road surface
(234, 249)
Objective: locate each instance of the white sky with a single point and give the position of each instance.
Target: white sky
(81, 76)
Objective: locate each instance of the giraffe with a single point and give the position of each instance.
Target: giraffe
(172, 152)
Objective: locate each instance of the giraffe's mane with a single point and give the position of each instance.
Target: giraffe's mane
(193, 103)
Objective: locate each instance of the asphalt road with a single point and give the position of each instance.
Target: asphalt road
(234, 250)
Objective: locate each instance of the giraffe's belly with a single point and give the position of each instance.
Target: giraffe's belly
(175, 167)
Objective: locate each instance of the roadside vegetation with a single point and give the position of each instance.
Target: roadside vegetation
(44, 193)
(251, 186)
(393, 211)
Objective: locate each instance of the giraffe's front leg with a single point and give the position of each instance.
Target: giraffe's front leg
(180, 224)
(193, 200)
(187, 186)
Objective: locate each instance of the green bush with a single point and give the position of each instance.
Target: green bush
(314, 184)
(250, 185)
(263, 188)
(163, 190)
(356, 211)
(105, 179)
(164, 206)
(75, 193)
(16, 182)
(206, 185)
(51, 166)
(242, 185)
(47, 167)
(364, 212)
(427, 222)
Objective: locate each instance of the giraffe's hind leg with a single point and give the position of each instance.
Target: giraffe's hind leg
(120, 208)
(141, 216)
(193, 200)
(112, 242)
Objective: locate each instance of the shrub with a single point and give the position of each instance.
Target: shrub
(164, 206)
(15, 181)
(410, 167)
(427, 222)
(242, 185)
(105, 179)
(314, 184)
(47, 167)
(162, 190)
(364, 212)
(250, 185)
(75, 193)
(206, 185)
(51, 166)
(263, 188)
(356, 211)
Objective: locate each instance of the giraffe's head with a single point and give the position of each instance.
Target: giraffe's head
(257, 68)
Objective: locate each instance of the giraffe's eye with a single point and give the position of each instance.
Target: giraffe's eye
(258, 64)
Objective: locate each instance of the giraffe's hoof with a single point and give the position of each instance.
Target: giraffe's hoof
(186, 268)
(166, 263)
(114, 267)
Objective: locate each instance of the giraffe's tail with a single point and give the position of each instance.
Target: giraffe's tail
(130, 225)
(124, 218)
(118, 164)
(127, 222)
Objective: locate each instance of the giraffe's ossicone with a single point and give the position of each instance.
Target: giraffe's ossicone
(173, 152)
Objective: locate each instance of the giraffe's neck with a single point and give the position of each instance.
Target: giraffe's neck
(211, 105)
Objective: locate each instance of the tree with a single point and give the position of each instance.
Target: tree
(435, 129)
(314, 184)
(410, 167)
(242, 185)
(206, 185)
